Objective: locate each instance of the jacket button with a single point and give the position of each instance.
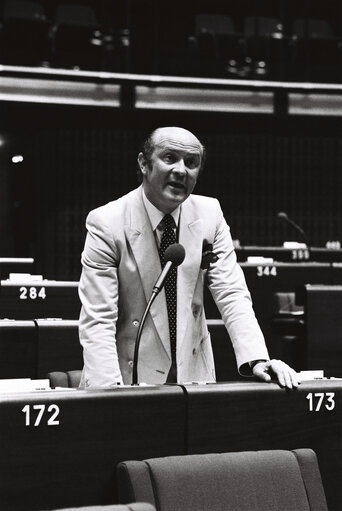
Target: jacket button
(135, 322)
(130, 363)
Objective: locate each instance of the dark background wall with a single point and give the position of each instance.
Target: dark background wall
(77, 158)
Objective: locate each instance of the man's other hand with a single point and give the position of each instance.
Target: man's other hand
(286, 376)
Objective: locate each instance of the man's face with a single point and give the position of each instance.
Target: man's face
(175, 164)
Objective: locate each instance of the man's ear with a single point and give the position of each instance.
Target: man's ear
(142, 163)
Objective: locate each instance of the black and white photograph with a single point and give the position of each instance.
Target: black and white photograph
(170, 255)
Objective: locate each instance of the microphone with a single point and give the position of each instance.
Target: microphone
(283, 216)
(173, 256)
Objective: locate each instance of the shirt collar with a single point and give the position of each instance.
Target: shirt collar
(155, 215)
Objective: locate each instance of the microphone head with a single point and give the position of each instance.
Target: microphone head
(175, 253)
(282, 215)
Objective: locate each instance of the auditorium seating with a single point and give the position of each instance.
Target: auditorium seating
(24, 38)
(240, 481)
(316, 50)
(211, 41)
(77, 37)
(218, 45)
(266, 46)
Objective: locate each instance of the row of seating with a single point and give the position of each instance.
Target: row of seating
(33, 347)
(266, 48)
(73, 39)
(215, 44)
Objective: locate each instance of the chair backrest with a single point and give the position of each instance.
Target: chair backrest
(218, 24)
(262, 26)
(259, 480)
(70, 379)
(312, 28)
(76, 15)
(137, 506)
(286, 303)
(19, 9)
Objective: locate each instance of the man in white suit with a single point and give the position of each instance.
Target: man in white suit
(121, 265)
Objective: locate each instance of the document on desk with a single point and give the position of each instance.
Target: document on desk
(23, 385)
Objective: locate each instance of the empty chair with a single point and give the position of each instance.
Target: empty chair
(266, 46)
(285, 304)
(218, 24)
(77, 37)
(316, 52)
(218, 44)
(25, 38)
(242, 481)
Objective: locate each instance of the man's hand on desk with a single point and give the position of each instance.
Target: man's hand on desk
(286, 376)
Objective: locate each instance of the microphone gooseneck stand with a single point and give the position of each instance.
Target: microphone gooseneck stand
(137, 341)
(174, 256)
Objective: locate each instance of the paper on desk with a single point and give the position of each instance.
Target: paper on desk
(23, 385)
(311, 375)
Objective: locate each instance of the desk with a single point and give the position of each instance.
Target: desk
(73, 463)
(39, 299)
(253, 416)
(316, 254)
(264, 280)
(31, 349)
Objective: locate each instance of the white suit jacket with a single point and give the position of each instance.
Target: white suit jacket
(120, 267)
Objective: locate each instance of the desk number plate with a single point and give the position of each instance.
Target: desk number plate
(320, 400)
(36, 415)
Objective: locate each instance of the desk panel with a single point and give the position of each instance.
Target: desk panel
(18, 349)
(337, 273)
(73, 463)
(255, 416)
(224, 356)
(323, 328)
(40, 299)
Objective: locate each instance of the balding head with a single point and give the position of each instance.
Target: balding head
(179, 135)
(169, 132)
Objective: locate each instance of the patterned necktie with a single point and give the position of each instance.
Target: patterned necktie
(168, 238)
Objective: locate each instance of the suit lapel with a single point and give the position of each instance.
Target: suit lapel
(191, 237)
(141, 238)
